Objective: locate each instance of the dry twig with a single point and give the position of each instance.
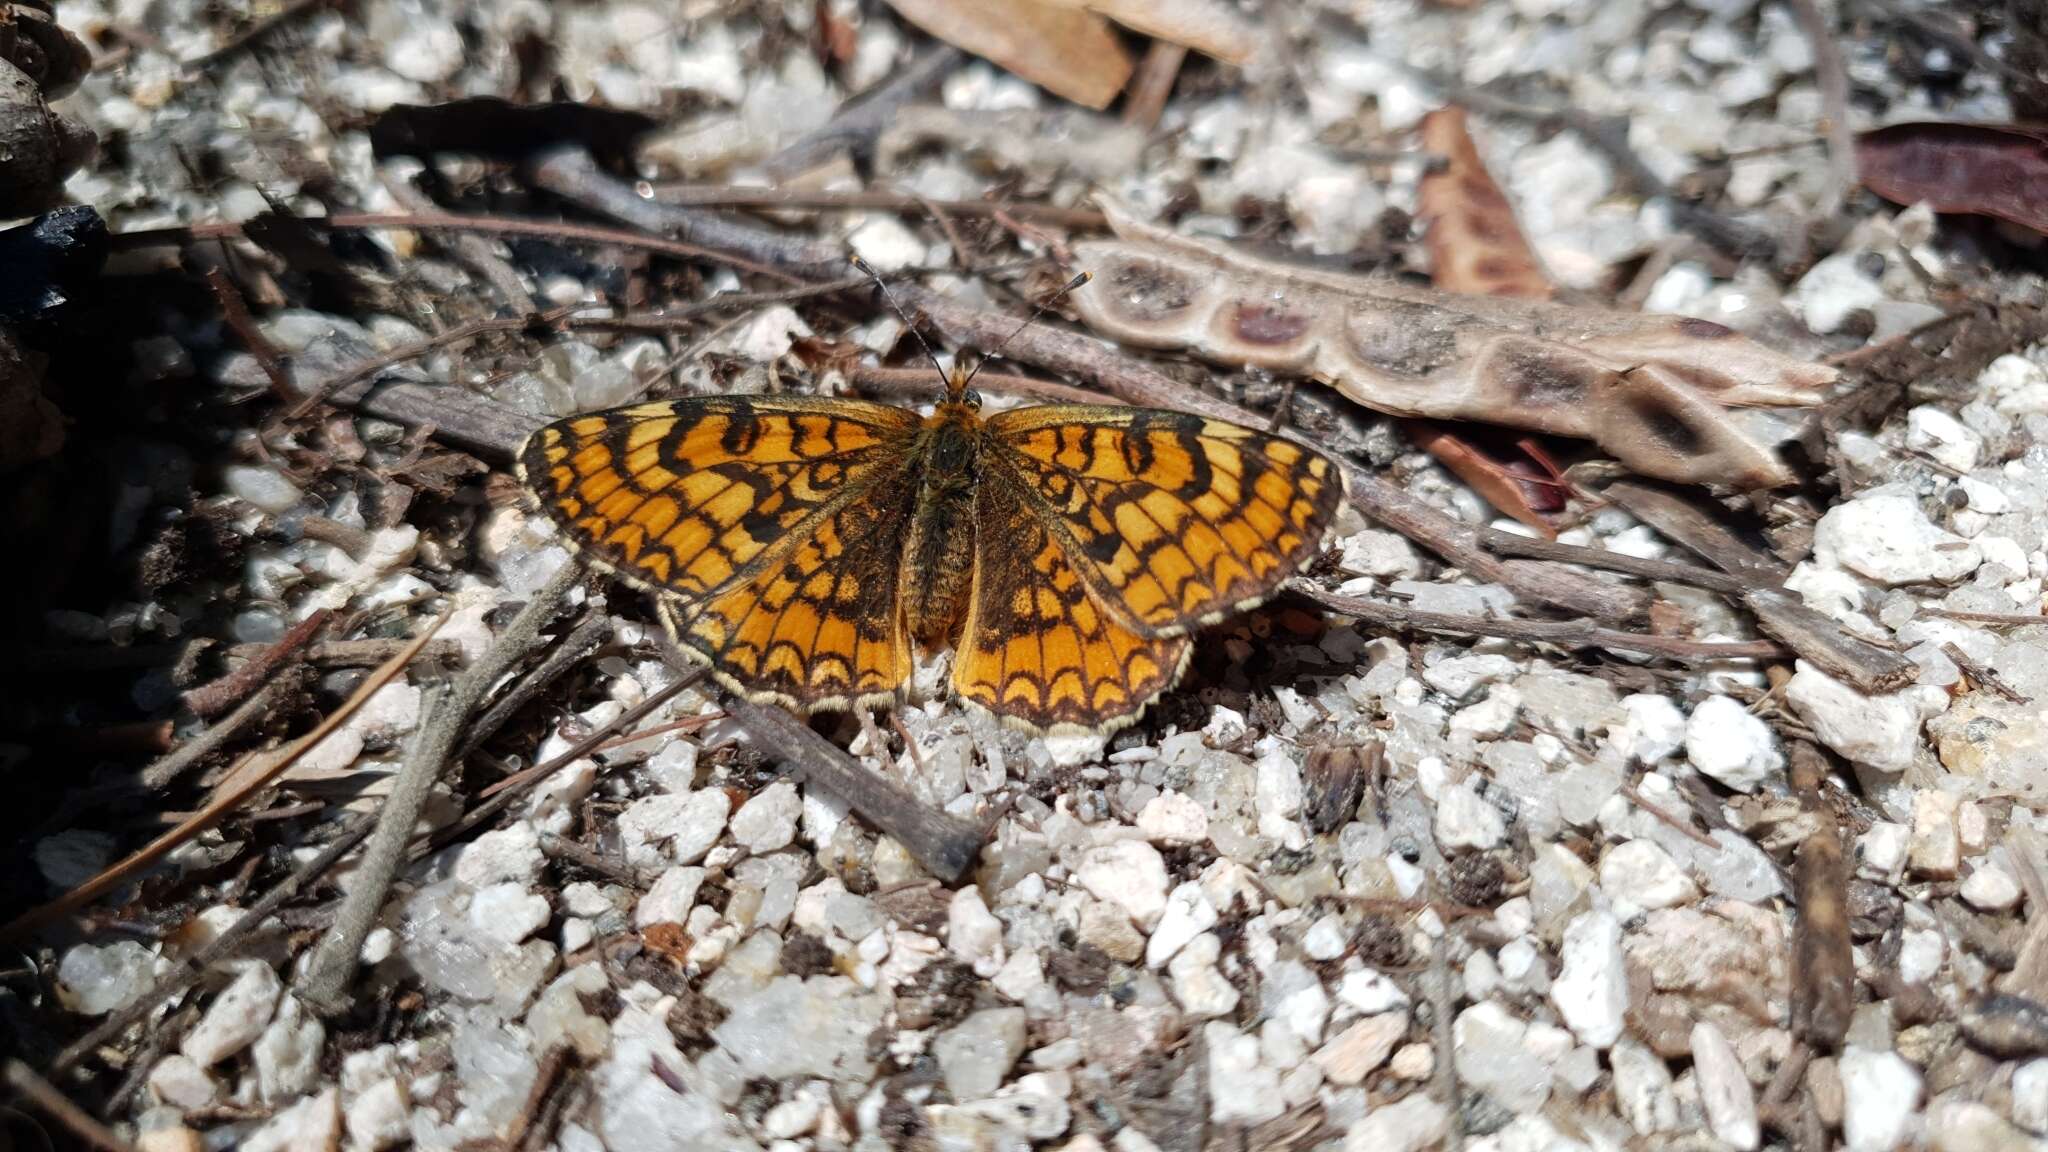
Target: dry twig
(179, 760)
(858, 121)
(946, 846)
(324, 982)
(1565, 633)
(251, 776)
(785, 199)
(1832, 75)
(1982, 675)
(212, 699)
(223, 946)
(57, 1106)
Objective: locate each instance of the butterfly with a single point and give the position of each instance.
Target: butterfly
(803, 545)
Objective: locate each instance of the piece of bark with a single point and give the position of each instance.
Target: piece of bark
(1684, 522)
(1071, 53)
(1475, 245)
(1649, 390)
(1824, 964)
(1822, 642)
(1335, 777)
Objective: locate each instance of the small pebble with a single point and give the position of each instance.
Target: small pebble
(1724, 741)
(1725, 1092)
(1881, 1095)
(236, 1017)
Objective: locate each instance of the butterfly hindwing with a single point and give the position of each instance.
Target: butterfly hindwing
(1172, 520)
(1037, 648)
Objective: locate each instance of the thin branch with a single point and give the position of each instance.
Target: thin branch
(1818, 639)
(215, 736)
(572, 174)
(563, 848)
(858, 121)
(585, 638)
(1983, 676)
(473, 251)
(251, 776)
(1564, 633)
(1995, 619)
(1695, 528)
(222, 947)
(1509, 544)
(235, 311)
(256, 33)
(559, 231)
(320, 393)
(359, 653)
(211, 699)
(499, 796)
(1635, 797)
(919, 382)
(873, 199)
(1832, 75)
(328, 972)
(58, 1107)
(946, 846)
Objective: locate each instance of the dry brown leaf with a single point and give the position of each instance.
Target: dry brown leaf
(1206, 26)
(1996, 170)
(1473, 239)
(1070, 53)
(1496, 483)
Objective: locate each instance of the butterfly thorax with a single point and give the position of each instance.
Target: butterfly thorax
(938, 560)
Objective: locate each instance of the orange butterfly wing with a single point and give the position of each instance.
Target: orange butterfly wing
(770, 527)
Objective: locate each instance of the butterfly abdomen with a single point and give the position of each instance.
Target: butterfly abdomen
(938, 560)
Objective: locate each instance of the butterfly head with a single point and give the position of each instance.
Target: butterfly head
(965, 364)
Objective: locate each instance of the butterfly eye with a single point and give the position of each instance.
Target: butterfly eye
(971, 398)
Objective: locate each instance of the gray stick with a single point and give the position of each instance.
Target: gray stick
(333, 964)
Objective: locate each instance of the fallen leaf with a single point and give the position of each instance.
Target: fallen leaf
(1522, 497)
(1071, 53)
(1474, 243)
(1996, 170)
(1206, 26)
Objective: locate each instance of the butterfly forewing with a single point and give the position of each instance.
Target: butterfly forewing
(1170, 519)
(772, 526)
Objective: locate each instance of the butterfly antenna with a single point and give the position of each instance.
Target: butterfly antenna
(908, 323)
(1048, 302)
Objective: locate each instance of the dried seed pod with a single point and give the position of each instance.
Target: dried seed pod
(38, 147)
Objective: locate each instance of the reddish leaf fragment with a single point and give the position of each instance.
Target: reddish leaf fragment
(1996, 170)
(1518, 495)
(1068, 52)
(1474, 242)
